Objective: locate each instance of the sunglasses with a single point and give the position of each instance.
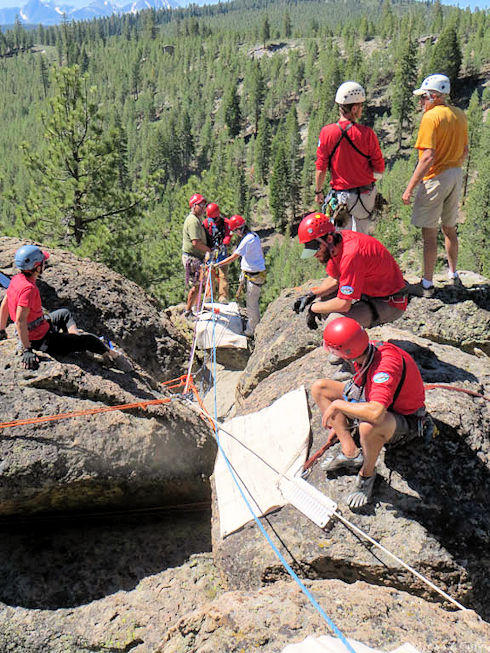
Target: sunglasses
(314, 245)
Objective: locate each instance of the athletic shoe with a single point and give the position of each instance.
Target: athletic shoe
(362, 495)
(456, 282)
(341, 461)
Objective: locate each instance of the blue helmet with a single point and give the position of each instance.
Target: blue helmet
(28, 256)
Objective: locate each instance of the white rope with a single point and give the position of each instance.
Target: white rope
(400, 561)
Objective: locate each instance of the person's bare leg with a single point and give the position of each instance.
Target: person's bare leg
(429, 236)
(373, 437)
(325, 391)
(191, 298)
(452, 246)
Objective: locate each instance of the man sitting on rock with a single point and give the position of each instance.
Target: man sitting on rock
(55, 333)
(385, 398)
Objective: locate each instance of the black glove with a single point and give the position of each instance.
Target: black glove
(3, 334)
(30, 360)
(311, 319)
(302, 302)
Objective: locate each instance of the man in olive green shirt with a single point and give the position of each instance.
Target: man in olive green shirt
(194, 249)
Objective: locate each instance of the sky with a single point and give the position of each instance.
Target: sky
(481, 4)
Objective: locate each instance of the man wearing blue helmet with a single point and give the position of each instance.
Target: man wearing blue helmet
(55, 333)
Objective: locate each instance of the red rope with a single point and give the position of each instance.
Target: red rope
(472, 393)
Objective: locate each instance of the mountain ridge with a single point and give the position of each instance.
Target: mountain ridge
(47, 12)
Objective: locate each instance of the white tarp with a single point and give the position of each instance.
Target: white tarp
(279, 435)
(328, 644)
(220, 325)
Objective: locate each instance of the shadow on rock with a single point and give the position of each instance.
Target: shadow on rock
(55, 564)
(453, 486)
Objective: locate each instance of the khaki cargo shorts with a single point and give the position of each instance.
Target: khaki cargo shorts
(438, 198)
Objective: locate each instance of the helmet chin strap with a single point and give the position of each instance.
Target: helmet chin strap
(369, 359)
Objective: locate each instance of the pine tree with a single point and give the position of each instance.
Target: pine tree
(404, 81)
(446, 54)
(265, 31)
(231, 110)
(475, 120)
(263, 148)
(279, 187)
(293, 145)
(77, 177)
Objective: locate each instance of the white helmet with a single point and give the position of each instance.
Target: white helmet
(350, 93)
(439, 83)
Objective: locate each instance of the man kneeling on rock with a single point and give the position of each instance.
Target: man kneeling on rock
(385, 399)
(55, 333)
(363, 279)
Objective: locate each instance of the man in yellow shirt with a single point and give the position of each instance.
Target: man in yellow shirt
(442, 142)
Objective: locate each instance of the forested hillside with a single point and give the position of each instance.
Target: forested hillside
(107, 127)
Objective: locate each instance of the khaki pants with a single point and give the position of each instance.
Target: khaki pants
(438, 198)
(362, 313)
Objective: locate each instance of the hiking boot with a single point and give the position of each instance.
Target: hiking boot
(362, 495)
(341, 461)
(418, 290)
(190, 316)
(116, 359)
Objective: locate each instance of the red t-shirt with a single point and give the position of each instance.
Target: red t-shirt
(22, 291)
(364, 266)
(348, 168)
(383, 377)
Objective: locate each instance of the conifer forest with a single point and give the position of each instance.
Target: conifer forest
(108, 126)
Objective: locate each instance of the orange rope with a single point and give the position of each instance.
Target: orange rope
(172, 384)
(472, 393)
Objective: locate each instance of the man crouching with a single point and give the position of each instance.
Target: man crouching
(385, 398)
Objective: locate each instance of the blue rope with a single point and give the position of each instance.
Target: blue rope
(283, 561)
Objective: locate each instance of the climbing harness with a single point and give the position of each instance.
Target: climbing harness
(351, 143)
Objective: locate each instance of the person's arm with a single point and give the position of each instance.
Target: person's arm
(227, 260)
(21, 317)
(198, 244)
(425, 162)
(377, 160)
(366, 411)
(319, 181)
(328, 286)
(334, 305)
(4, 314)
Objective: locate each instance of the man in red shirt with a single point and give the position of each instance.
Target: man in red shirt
(351, 153)
(385, 398)
(218, 238)
(363, 279)
(56, 332)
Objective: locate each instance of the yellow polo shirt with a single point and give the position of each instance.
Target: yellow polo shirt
(445, 130)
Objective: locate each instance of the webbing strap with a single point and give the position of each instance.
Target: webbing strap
(344, 135)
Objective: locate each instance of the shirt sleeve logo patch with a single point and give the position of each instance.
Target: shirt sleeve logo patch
(347, 290)
(381, 377)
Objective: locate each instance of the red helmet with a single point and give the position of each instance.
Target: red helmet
(236, 222)
(212, 210)
(345, 338)
(196, 199)
(314, 225)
